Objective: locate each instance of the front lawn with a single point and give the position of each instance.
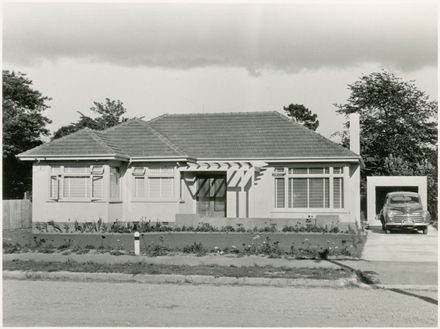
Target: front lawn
(211, 270)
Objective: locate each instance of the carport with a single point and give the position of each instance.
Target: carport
(379, 186)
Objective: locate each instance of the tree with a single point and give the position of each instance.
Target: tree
(83, 122)
(398, 124)
(302, 115)
(109, 114)
(24, 124)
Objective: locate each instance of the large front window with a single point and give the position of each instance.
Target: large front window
(309, 188)
(153, 183)
(76, 182)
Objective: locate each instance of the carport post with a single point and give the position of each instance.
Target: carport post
(137, 249)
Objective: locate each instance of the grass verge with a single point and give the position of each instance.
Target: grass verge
(212, 270)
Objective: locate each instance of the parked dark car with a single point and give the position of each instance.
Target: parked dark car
(404, 210)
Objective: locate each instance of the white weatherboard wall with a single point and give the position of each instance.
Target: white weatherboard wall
(384, 181)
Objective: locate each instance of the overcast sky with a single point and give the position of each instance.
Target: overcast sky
(174, 58)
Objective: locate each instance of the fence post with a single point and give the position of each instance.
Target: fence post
(137, 250)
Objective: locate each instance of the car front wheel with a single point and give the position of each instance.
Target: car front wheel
(425, 230)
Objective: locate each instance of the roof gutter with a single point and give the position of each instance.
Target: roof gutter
(159, 159)
(289, 159)
(73, 157)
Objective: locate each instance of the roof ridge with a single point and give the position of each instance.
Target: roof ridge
(166, 140)
(121, 124)
(314, 132)
(156, 118)
(95, 135)
(213, 113)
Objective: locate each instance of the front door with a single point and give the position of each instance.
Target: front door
(211, 195)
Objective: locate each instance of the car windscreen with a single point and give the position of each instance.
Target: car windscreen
(404, 199)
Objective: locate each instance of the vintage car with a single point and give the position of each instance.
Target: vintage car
(404, 210)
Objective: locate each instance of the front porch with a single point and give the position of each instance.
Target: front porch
(219, 189)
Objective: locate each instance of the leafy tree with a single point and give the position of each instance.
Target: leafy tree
(83, 122)
(302, 115)
(109, 114)
(398, 124)
(24, 124)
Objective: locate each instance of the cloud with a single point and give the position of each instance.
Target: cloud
(256, 37)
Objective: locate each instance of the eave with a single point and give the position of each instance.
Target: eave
(73, 157)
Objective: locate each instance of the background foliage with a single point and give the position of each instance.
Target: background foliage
(398, 125)
(24, 125)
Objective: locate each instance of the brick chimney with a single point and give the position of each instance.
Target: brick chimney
(355, 145)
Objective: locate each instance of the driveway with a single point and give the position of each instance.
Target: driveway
(402, 246)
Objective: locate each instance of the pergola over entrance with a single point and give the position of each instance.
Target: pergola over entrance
(378, 185)
(240, 176)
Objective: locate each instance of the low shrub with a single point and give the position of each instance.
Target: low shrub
(155, 250)
(117, 253)
(9, 248)
(195, 248)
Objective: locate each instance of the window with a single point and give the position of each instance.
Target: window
(154, 183)
(76, 182)
(115, 188)
(309, 188)
(279, 192)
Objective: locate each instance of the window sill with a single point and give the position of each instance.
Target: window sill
(77, 201)
(309, 210)
(156, 201)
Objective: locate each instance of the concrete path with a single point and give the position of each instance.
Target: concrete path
(403, 246)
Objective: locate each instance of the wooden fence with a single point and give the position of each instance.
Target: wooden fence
(17, 214)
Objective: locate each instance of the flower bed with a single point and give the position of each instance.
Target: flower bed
(147, 227)
(275, 244)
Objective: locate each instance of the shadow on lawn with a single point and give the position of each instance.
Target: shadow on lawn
(368, 277)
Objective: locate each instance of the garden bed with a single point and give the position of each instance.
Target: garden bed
(299, 245)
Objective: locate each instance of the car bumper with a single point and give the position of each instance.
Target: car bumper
(406, 225)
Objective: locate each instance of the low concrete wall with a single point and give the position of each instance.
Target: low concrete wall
(209, 240)
(17, 214)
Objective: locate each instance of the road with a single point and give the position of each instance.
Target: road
(52, 303)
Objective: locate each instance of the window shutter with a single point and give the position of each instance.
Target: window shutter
(326, 193)
(316, 193)
(154, 187)
(298, 192)
(279, 193)
(338, 192)
(97, 187)
(76, 187)
(54, 187)
(139, 187)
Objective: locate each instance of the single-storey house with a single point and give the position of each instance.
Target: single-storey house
(192, 167)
